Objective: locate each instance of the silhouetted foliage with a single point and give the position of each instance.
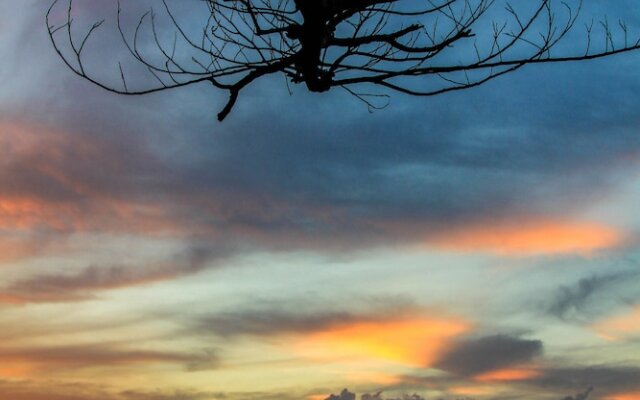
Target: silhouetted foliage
(347, 395)
(420, 48)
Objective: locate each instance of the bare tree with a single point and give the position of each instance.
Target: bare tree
(417, 47)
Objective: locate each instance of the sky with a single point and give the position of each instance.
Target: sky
(481, 244)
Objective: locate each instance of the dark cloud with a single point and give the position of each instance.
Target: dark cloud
(344, 395)
(580, 396)
(324, 172)
(605, 380)
(278, 318)
(90, 281)
(475, 356)
(270, 322)
(94, 355)
(577, 300)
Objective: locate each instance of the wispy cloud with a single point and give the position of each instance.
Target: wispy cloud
(622, 326)
(530, 238)
(415, 341)
(401, 334)
(38, 358)
(87, 283)
(576, 300)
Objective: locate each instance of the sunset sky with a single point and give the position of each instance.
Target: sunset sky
(484, 243)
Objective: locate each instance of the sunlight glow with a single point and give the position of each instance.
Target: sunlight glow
(505, 375)
(532, 238)
(624, 396)
(619, 326)
(415, 342)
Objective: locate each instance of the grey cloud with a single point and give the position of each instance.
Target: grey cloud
(277, 318)
(580, 396)
(325, 172)
(85, 356)
(489, 353)
(604, 379)
(90, 281)
(269, 322)
(577, 300)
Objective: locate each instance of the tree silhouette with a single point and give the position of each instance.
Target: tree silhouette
(417, 47)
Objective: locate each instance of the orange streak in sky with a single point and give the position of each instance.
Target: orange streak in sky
(531, 238)
(15, 370)
(619, 326)
(472, 390)
(506, 375)
(317, 396)
(624, 396)
(415, 342)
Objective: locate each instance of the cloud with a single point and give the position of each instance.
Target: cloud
(309, 177)
(624, 396)
(85, 284)
(269, 317)
(530, 238)
(271, 322)
(50, 182)
(413, 341)
(507, 375)
(490, 353)
(606, 380)
(34, 358)
(572, 301)
(580, 396)
(619, 327)
(359, 186)
(401, 334)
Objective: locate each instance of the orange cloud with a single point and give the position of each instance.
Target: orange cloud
(472, 390)
(531, 238)
(624, 396)
(49, 184)
(317, 396)
(15, 370)
(619, 326)
(415, 342)
(507, 375)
